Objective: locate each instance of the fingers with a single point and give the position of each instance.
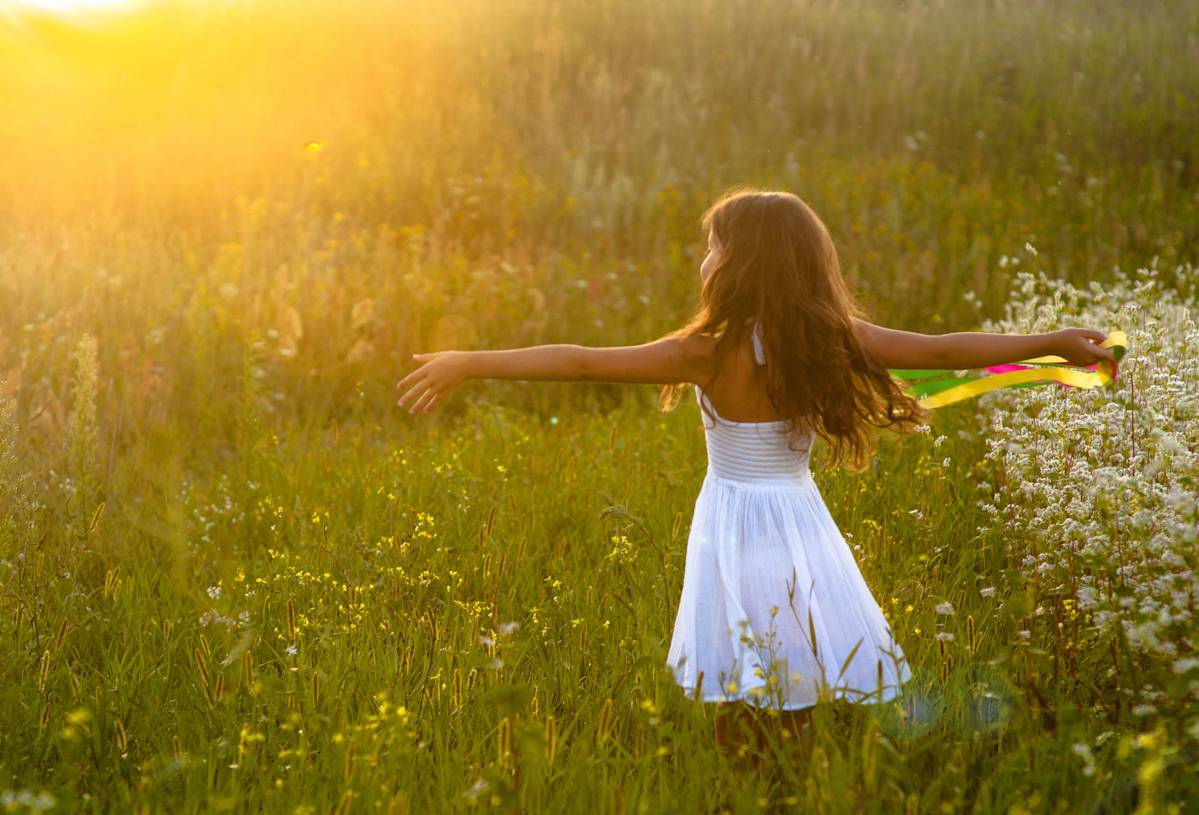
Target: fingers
(1095, 338)
(416, 390)
(1098, 352)
(412, 377)
(413, 397)
(426, 401)
(1099, 337)
(421, 358)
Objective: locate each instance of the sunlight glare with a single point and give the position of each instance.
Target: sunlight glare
(71, 7)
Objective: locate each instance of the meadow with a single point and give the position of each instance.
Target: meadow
(234, 577)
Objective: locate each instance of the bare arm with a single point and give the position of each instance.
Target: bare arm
(665, 361)
(977, 349)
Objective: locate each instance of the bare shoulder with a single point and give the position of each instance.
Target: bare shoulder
(699, 354)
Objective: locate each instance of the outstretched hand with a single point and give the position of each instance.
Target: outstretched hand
(1081, 346)
(439, 373)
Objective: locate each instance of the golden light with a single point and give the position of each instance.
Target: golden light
(145, 100)
(69, 7)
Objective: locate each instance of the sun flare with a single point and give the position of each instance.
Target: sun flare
(71, 7)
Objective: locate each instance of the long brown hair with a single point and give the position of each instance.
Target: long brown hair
(777, 266)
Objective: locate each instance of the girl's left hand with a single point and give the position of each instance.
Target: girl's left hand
(440, 372)
(1081, 346)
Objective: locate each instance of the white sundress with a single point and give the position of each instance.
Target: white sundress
(762, 539)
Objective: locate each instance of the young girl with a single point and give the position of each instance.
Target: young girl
(774, 611)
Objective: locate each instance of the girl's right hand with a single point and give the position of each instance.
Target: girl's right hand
(1080, 346)
(439, 373)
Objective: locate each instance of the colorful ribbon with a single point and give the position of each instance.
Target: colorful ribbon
(934, 389)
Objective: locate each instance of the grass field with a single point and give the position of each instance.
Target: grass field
(234, 577)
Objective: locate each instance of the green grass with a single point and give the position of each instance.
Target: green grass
(502, 175)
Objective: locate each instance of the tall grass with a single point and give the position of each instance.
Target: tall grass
(233, 577)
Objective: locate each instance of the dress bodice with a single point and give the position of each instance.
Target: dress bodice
(752, 451)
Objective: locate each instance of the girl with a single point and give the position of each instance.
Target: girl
(774, 611)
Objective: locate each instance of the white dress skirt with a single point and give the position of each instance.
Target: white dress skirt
(774, 610)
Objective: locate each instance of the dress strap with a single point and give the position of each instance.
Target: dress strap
(759, 354)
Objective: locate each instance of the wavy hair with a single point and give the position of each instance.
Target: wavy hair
(777, 266)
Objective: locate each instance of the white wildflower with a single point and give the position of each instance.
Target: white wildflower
(1185, 665)
(1083, 751)
(1098, 489)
